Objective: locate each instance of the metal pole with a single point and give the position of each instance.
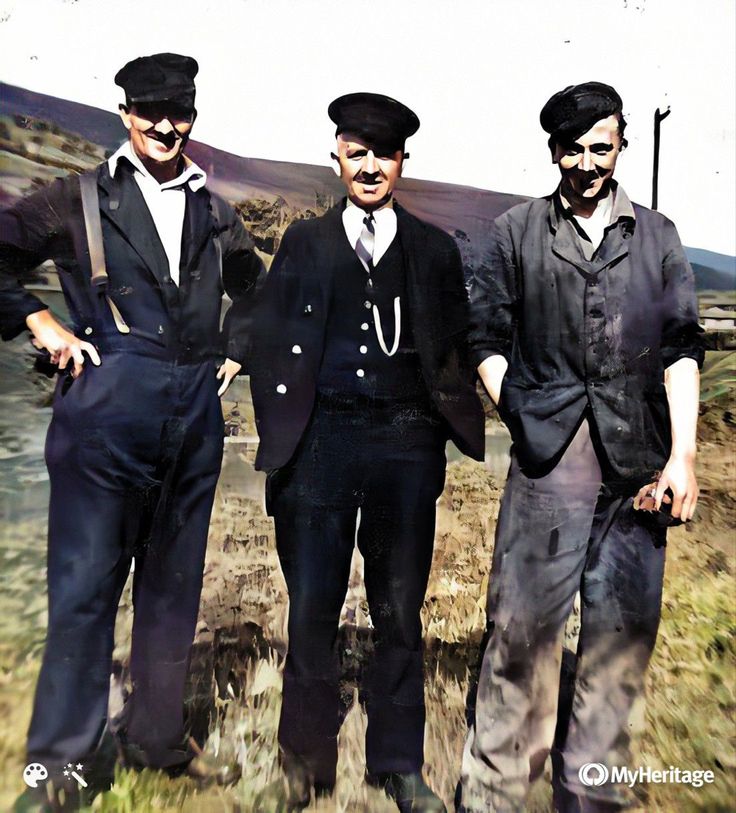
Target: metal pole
(658, 117)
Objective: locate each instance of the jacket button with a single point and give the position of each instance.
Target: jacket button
(360, 373)
(363, 349)
(307, 309)
(281, 389)
(167, 279)
(364, 326)
(367, 305)
(88, 331)
(296, 349)
(160, 330)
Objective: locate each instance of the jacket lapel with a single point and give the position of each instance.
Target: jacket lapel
(198, 224)
(122, 203)
(419, 285)
(566, 245)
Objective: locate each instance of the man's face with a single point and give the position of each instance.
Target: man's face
(369, 177)
(587, 164)
(157, 130)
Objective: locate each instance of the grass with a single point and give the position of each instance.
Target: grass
(690, 699)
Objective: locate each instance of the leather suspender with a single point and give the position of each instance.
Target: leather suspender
(93, 227)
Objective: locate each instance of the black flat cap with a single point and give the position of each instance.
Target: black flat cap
(574, 110)
(159, 78)
(379, 120)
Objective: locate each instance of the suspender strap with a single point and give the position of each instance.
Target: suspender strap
(93, 227)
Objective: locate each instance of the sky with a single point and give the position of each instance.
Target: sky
(477, 72)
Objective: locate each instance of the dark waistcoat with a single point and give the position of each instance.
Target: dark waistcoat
(354, 363)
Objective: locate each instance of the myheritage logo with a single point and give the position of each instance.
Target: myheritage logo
(593, 774)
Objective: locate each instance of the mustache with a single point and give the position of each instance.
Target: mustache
(368, 177)
(167, 139)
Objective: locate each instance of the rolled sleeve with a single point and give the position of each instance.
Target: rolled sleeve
(26, 232)
(242, 273)
(493, 298)
(681, 333)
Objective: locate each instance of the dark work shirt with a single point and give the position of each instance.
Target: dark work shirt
(581, 333)
(354, 363)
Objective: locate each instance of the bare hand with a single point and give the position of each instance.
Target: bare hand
(62, 345)
(227, 372)
(645, 499)
(678, 476)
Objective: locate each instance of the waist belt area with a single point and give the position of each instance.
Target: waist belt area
(142, 346)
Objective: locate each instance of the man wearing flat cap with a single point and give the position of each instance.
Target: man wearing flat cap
(143, 252)
(586, 336)
(360, 375)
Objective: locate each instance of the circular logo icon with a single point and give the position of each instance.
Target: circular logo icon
(593, 774)
(34, 773)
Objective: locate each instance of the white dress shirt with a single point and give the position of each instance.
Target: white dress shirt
(595, 225)
(384, 225)
(166, 202)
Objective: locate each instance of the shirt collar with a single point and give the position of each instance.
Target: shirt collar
(385, 212)
(192, 175)
(622, 208)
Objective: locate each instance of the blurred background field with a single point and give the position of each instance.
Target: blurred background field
(688, 718)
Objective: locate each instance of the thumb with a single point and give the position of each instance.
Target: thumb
(221, 372)
(662, 486)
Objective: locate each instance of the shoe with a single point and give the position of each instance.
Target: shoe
(203, 768)
(206, 771)
(409, 790)
(52, 797)
(289, 793)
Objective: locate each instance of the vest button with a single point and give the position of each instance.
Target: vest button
(296, 349)
(363, 349)
(367, 305)
(364, 326)
(281, 389)
(88, 331)
(160, 330)
(360, 373)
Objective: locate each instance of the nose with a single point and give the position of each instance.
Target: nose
(370, 165)
(164, 126)
(587, 161)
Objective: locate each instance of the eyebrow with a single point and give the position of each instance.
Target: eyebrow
(601, 146)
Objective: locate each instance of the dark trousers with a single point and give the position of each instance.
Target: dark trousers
(134, 452)
(558, 534)
(389, 464)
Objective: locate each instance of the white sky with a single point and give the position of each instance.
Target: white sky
(476, 72)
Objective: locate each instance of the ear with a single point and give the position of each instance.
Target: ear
(125, 116)
(553, 150)
(404, 156)
(336, 165)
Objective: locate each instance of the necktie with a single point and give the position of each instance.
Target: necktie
(367, 242)
(364, 249)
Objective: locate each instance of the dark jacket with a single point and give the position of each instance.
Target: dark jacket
(183, 319)
(293, 311)
(581, 334)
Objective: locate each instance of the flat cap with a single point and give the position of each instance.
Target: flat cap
(380, 120)
(159, 78)
(573, 111)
